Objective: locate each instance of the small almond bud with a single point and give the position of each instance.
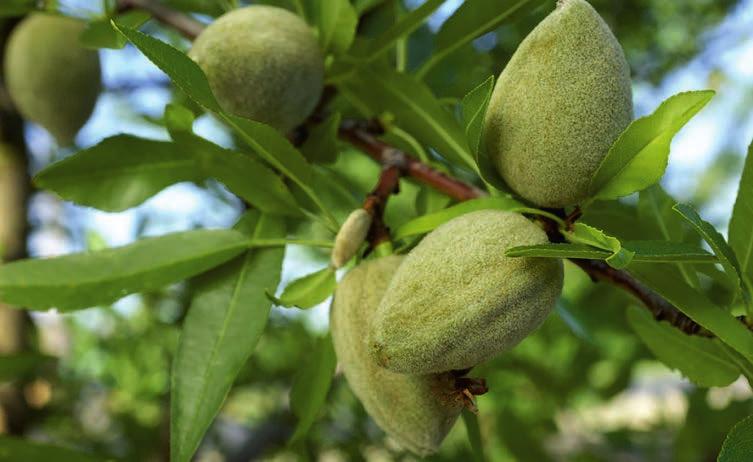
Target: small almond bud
(350, 237)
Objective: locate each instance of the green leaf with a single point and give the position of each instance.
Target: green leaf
(308, 291)
(402, 28)
(21, 364)
(427, 223)
(382, 89)
(474, 109)
(655, 208)
(702, 360)
(16, 449)
(584, 234)
(741, 224)
(644, 251)
(181, 69)
(638, 158)
(310, 386)
(473, 19)
(738, 446)
(243, 175)
(474, 435)
(101, 34)
(17, 7)
(87, 279)
(119, 173)
(321, 144)
(225, 321)
(179, 120)
(667, 282)
(715, 240)
(336, 21)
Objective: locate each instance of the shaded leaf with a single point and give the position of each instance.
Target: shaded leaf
(474, 109)
(16, 449)
(101, 34)
(416, 109)
(119, 173)
(639, 156)
(473, 19)
(700, 359)
(308, 291)
(738, 446)
(741, 224)
(667, 282)
(402, 28)
(321, 144)
(225, 321)
(336, 21)
(310, 386)
(87, 279)
(474, 435)
(715, 240)
(21, 365)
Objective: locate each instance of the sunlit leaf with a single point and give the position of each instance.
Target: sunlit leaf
(87, 279)
(741, 224)
(638, 158)
(226, 318)
(336, 21)
(308, 291)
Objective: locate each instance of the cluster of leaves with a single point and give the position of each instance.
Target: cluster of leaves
(300, 195)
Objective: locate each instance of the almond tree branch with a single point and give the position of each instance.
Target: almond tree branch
(363, 135)
(376, 202)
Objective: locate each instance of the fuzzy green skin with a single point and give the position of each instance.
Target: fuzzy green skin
(51, 78)
(417, 411)
(558, 106)
(263, 63)
(457, 300)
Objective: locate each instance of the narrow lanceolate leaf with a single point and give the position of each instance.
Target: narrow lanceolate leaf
(667, 282)
(655, 211)
(644, 251)
(183, 71)
(336, 22)
(309, 290)
(20, 365)
(474, 435)
(427, 223)
(87, 279)
(715, 240)
(401, 29)
(16, 449)
(321, 144)
(474, 109)
(702, 360)
(119, 172)
(243, 175)
(738, 446)
(473, 19)
(265, 141)
(225, 321)
(416, 109)
(310, 386)
(741, 224)
(638, 158)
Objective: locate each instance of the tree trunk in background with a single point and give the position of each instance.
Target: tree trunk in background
(14, 192)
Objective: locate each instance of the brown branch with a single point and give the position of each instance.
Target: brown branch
(183, 23)
(376, 202)
(363, 135)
